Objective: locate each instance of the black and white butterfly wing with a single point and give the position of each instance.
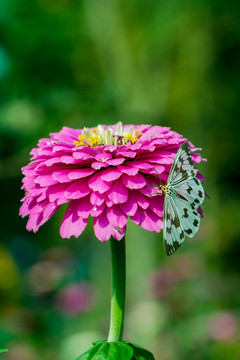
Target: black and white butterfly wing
(182, 167)
(173, 235)
(188, 215)
(192, 190)
(182, 177)
(180, 218)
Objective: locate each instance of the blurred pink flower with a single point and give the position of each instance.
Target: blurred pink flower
(182, 268)
(163, 281)
(22, 351)
(101, 172)
(223, 325)
(74, 299)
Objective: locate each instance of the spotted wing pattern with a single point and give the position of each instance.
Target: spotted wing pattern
(188, 215)
(173, 233)
(182, 167)
(191, 190)
(180, 216)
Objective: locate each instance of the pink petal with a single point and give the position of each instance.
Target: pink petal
(40, 214)
(111, 148)
(156, 205)
(72, 224)
(197, 158)
(49, 211)
(128, 170)
(35, 207)
(115, 162)
(109, 203)
(97, 184)
(43, 194)
(158, 170)
(118, 233)
(28, 182)
(23, 211)
(103, 157)
(97, 165)
(66, 159)
(34, 222)
(97, 210)
(102, 227)
(116, 216)
(27, 206)
(67, 134)
(130, 206)
(30, 169)
(83, 155)
(45, 180)
(128, 154)
(143, 201)
(201, 177)
(52, 161)
(97, 199)
(76, 190)
(61, 176)
(80, 173)
(147, 220)
(111, 174)
(136, 217)
(158, 160)
(134, 182)
(56, 193)
(118, 193)
(138, 164)
(84, 207)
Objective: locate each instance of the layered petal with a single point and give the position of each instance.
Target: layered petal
(73, 224)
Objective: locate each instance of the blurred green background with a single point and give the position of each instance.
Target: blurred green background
(82, 63)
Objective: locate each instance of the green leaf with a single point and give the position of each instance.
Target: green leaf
(139, 352)
(99, 342)
(90, 353)
(104, 350)
(115, 351)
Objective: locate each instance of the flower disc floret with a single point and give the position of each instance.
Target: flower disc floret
(103, 172)
(105, 136)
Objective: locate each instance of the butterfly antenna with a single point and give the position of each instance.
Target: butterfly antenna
(154, 185)
(159, 178)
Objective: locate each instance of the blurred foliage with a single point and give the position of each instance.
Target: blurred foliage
(81, 63)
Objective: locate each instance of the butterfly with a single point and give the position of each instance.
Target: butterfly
(180, 216)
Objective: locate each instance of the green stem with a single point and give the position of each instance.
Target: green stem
(118, 289)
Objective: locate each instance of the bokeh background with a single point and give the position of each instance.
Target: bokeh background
(86, 62)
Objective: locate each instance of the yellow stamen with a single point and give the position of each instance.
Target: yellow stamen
(131, 138)
(105, 136)
(80, 141)
(94, 141)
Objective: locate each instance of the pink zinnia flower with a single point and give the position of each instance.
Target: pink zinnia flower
(102, 172)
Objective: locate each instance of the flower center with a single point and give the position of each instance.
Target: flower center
(100, 136)
(80, 141)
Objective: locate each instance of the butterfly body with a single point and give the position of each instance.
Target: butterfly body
(167, 190)
(183, 195)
